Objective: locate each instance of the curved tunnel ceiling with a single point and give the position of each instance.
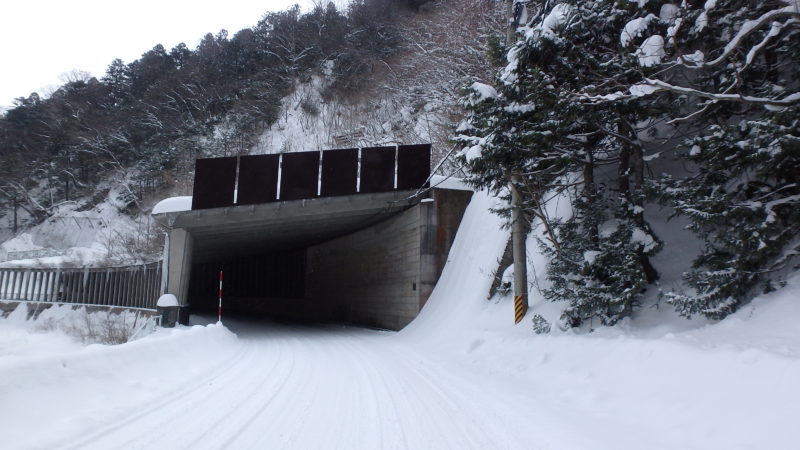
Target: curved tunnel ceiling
(225, 233)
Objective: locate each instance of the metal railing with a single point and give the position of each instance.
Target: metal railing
(133, 286)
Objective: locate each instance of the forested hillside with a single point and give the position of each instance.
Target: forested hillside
(145, 122)
(620, 109)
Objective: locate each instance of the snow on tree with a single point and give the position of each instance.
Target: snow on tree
(533, 123)
(731, 66)
(569, 103)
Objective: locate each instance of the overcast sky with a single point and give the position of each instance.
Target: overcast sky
(43, 39)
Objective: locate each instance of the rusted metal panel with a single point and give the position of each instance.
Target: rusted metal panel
(339, 172)
(258, 179)
(299, 175)
(377, 169)
(413, 166)
(214, 182)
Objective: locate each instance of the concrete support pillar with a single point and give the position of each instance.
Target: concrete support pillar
(428, 227)
(180, 268)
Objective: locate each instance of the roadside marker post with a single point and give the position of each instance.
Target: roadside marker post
(520, 308)
(219, 309)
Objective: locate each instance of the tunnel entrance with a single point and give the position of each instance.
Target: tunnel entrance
(351, 235)
(379, 275)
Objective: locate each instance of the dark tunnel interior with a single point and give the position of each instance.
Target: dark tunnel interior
(262, 284)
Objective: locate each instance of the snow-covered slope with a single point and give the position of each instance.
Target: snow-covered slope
(100, 236)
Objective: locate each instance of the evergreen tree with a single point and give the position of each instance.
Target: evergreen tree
(731, 66)
(541, 123)
(744, 202)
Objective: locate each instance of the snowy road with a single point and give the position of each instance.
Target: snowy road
(299, 387)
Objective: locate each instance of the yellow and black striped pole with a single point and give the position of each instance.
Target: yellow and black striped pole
(520, 308)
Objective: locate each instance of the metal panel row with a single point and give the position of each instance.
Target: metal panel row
(247, 180)
(134, 286)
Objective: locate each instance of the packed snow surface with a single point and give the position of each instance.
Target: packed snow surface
(461, 376)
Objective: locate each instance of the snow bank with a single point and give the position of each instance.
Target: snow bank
(53, 378)
(461, 291)
(674, 385)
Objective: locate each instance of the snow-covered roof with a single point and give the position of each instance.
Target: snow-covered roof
(173, 204)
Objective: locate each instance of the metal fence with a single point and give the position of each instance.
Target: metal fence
(133, 286)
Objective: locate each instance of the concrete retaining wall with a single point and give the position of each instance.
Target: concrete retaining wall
(383, 275)
(371, 277)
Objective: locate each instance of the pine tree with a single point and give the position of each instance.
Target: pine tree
(540, 121)
(731, 66)
(743, 201)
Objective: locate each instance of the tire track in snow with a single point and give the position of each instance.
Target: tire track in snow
(331, 412)
(303, 387)
(519, 413)
(226, 430)
(373, 374)
(123, 421)
(450, 399)
(246, 434)
(430, 430)
(324, 411)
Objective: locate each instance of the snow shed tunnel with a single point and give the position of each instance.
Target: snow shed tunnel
(369, 256)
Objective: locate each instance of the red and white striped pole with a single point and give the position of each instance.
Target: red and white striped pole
(219, 309)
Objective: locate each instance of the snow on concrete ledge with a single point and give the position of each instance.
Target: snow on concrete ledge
(173, 204)
(442, 182)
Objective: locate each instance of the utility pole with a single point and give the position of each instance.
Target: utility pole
(518, 228)
(518, 232)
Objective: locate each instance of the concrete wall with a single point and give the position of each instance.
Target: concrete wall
(179, 264)
(383, 275)
(371, 277)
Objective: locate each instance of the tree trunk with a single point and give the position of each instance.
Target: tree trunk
(631, 183)
(590, 192)
(16, 206)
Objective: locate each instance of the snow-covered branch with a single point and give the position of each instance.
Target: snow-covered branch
(789, 100)
(748, 28)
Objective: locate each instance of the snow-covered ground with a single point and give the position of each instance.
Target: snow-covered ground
(460, 376)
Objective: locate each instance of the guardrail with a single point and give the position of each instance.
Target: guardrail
(132, 286)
